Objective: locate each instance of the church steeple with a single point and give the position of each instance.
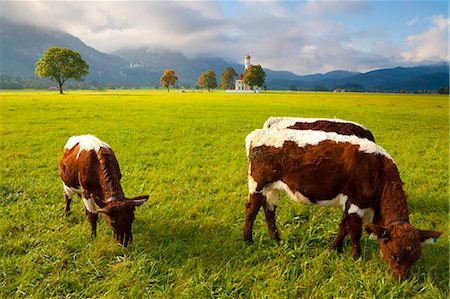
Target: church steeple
(246, 62)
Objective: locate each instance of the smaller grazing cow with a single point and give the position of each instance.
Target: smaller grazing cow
(338, 126)
(88, 167)
(328, 169)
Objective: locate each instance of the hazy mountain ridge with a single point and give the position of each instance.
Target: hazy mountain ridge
(22, 45)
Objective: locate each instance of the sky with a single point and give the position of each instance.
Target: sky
(303, 37)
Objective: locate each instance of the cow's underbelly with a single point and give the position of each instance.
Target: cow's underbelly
(271, 192)
(88, 202)
(71, 191)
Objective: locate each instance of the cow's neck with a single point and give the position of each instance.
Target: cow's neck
(109, 177)
(111, 190)
(393, 205)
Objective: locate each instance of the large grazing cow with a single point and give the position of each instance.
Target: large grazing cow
(343, 127)
(328, 169)
(88, 167)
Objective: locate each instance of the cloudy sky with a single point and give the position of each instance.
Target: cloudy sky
(300, 36)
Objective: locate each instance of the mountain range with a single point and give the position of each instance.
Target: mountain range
(22, 45)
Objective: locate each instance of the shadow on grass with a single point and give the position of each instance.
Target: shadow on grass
(217, 245)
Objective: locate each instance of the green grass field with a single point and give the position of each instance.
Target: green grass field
(187, 151)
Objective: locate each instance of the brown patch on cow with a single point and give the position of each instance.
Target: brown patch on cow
(335, 127)
(338, 167)
(68, 168)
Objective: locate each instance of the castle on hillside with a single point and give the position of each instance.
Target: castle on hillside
(240, 84)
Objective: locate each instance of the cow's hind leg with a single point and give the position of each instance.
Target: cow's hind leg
(67, 200)
(337, 244)
(68, 195)
(270, 206)
(254, 203)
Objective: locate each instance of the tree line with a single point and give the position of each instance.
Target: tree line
(61, 64)
(253, 76)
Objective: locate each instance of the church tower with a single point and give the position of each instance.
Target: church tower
(246, 61)
(240, 84)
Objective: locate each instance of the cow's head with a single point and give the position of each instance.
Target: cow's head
(120, 215)
(400, 245)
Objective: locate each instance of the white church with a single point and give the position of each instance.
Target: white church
(240, 84)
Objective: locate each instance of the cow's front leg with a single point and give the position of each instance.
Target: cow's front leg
(91, 209)
(337, 244)
(270, 206)
(92, 217)
(254, 203)
(354, 227)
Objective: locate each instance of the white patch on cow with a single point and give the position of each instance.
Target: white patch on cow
(354, 209)
(72, 191)
(365, 214)
(285, 122)
(281, 186)
(276, 138)
(271, 191)
(86, 143)
(90, 205)
(272, 199)
(373, 236)
(252, 185)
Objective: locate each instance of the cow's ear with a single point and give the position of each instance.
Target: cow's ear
(380, 231)
(430, 236)
(139, 201)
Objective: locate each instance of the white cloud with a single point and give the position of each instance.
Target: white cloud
(413, 22)
(303, 37)
(430, 45)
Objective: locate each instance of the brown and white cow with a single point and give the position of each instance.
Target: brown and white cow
(343, 127)
(328, 169)
(88, 167)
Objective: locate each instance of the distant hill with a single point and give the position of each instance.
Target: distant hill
(22, 45)
(187, 70)
(430, 77)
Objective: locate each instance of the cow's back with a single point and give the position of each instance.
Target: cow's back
(338, 126)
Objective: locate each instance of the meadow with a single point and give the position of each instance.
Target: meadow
(187, 151)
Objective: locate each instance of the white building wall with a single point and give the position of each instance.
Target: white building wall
(240, 85)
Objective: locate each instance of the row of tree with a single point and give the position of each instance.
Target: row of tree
(253, 76)
(61, 64)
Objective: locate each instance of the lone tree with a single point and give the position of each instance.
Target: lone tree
(61, 64)
(227, 78)
(208, 80)
(254, 76)
(168, 78)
